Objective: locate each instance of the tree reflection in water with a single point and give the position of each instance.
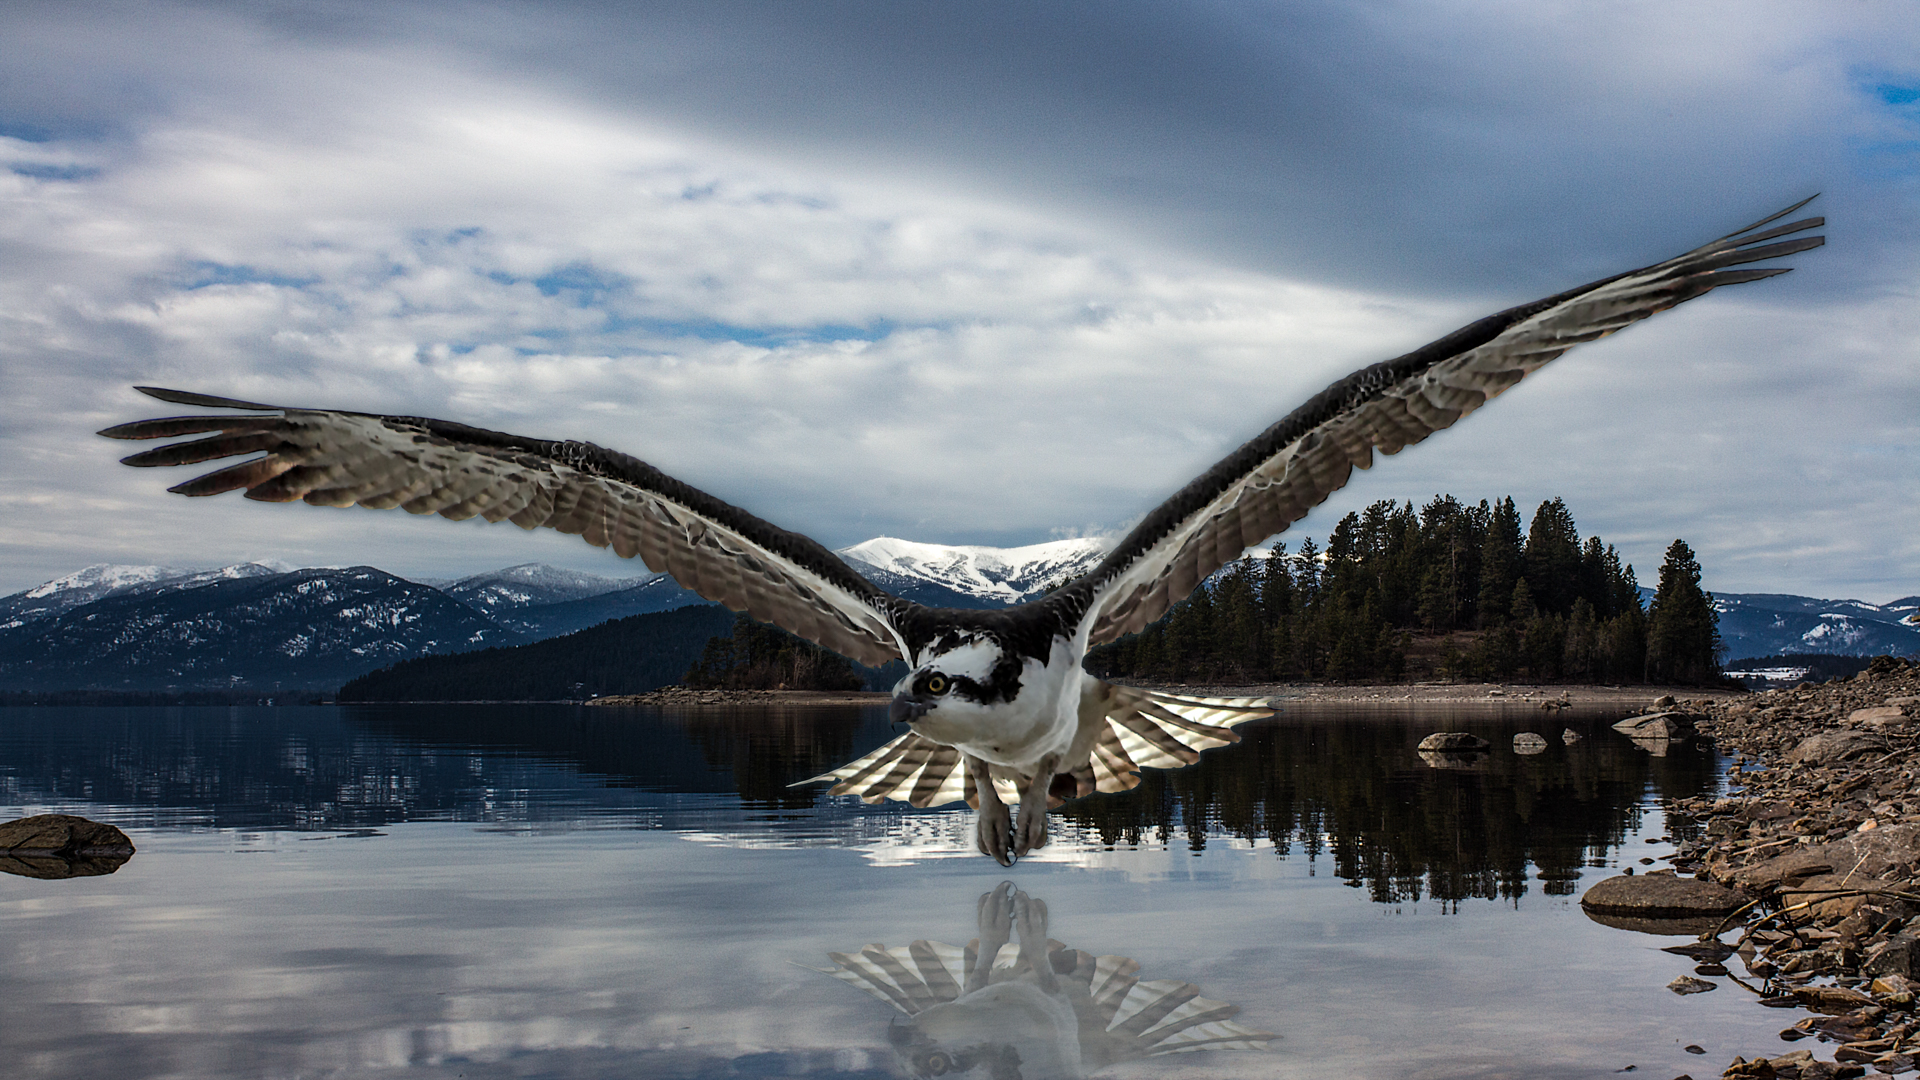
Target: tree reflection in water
(1343, 786)
(1015, 1004)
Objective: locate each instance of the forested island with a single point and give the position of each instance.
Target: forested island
(1448, 591)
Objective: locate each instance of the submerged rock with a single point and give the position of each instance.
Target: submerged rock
(1687, 984)
(1528, 742)
(61, 846)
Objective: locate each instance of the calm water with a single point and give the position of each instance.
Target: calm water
(550, 891)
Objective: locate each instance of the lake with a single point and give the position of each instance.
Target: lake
(574, 892)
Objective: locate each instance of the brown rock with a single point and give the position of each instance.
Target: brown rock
(1878, 718)
(1660, 896)
(61, 846)
(1830, 747)
(1657, 725)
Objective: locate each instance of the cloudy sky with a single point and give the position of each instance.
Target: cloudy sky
(982, 273)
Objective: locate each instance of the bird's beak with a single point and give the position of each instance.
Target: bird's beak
(907, 708)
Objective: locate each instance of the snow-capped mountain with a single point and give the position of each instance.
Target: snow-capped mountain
(1773, 624)
(269, 631)
(969, 576)
(101, 580)
(531, 585)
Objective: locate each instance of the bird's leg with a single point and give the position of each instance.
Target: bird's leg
(1030, 915)
(1031, 831)
(995, 820)
(996, 926)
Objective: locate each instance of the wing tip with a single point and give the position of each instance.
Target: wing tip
(188, 397)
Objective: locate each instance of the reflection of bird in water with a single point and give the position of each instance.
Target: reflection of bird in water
(1000, 710)
(1031, 1009)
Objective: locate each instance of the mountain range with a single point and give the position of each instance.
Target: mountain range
(265, 629)
(254, 628)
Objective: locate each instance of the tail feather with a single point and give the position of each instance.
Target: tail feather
(1156, 730)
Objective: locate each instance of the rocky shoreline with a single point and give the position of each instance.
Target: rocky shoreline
(1818, 842)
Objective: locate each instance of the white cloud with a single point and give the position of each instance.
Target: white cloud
(387, 222)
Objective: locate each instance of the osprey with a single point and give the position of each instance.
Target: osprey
(998, 709)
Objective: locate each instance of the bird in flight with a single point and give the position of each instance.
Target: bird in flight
(998, 709)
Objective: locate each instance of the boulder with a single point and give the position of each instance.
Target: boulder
(1838, 744)
(1529, 743)
(1569, 736)
(1454, 741)
(1657, 725)
(1660, 896)
(61, 846)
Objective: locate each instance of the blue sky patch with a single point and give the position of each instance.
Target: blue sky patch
(766, 337)
(203, 274)
(588, 285)
(55, 172)
(1894, 94)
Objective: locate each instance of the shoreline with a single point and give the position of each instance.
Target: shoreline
(1539, 695)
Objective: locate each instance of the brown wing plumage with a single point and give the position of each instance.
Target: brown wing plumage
(1273, 481)
(334, 458)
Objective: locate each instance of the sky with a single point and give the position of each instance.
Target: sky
(993, 273)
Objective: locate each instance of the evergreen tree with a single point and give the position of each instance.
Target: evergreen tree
(1500, 563)
(1552, 558)
(1683, 630)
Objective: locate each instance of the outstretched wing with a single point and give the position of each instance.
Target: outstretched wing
(1294, 465)
(333, 458)
(1126, 729)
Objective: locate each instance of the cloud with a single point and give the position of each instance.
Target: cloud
(867, 272)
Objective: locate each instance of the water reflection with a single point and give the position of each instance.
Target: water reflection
(1016, 1005)
(1331, 785)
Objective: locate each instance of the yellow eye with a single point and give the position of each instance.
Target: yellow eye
(936, 684)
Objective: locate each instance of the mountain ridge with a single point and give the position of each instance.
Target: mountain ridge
(257, 626)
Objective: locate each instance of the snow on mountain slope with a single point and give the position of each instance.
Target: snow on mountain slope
(1773, 624)
(100, 581)
(531, 585)
(997, 576)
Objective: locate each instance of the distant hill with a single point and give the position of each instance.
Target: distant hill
(1771, 624)
(625, 656)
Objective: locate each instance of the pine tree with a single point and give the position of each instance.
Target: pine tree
(1552, 558)
(1683, 630)
(1500, 563)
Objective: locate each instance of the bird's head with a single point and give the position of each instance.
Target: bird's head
(957, 674)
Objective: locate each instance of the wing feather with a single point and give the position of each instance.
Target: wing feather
(424, 466)
(1273, 480)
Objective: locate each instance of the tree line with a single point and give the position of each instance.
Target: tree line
(1461, 585)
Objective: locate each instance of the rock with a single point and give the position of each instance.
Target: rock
(1529, 743)
(1657, 725)
(61, 846)
(1839, 744)
(1897, 958)
(1878, 718)
(1660, 896)
(1569, 736)
(1687, 984)
(1455, 741)
(1664, 701)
